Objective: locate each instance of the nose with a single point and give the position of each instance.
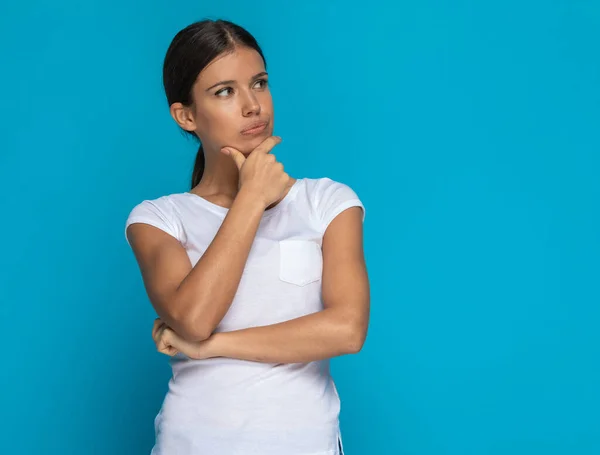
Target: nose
(250, 106)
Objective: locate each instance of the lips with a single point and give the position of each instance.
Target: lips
(255, 127)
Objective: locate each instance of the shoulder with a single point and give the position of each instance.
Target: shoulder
(162, 206)
(322, 187)
(328, 198)
(160, 212)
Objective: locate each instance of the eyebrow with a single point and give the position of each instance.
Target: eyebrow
(264, 73)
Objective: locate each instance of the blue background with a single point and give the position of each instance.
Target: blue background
(470, 131)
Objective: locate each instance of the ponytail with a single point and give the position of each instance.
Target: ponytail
(198, 167)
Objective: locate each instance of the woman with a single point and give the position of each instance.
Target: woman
(258, 278)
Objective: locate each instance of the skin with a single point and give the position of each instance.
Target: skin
(339, 329)
(220, 112)
(242, 174)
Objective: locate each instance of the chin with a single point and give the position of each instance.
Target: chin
(250, 143)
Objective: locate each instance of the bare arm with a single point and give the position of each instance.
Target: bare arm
(340, 328)
(193, 300)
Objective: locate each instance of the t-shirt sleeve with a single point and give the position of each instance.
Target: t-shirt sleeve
(154, 214)
(332, 199)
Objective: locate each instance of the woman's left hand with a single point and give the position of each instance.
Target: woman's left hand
(168, 342)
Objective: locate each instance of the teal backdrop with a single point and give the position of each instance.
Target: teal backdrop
(469, 130)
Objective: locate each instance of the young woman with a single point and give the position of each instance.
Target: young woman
(258, 278)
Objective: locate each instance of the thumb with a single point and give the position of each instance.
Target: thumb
(236, 155)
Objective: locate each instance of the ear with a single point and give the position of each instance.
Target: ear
(183, 115)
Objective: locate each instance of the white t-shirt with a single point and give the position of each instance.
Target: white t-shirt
(225, 406)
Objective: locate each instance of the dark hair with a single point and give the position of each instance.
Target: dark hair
(191, 50)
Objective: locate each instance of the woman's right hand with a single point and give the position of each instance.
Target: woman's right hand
(260, 172)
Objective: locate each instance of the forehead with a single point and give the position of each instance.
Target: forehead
(240, 65)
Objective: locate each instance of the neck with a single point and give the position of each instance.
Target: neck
(220, 177)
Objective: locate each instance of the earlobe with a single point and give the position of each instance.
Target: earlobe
(183, 116)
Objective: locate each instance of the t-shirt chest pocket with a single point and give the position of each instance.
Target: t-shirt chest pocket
(300, 262)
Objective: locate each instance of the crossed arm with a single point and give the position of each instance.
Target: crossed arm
(340, 328)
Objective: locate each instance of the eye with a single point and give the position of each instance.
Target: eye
(264, 82)
(224, 92)
(219, 93)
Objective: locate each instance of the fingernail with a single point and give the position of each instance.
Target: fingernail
(225, 151)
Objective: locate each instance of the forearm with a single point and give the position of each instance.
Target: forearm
(205, 295)
(317, 336)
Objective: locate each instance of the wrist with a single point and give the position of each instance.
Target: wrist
(208, 348)
(252, 198)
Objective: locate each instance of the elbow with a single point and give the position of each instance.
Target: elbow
(196, 329)
(190, 327)
(355, 338)
(197, 334)
(355, 344)
(191, 319)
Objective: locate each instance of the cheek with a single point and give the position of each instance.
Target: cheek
(266, 102)
(220, 124)
(213, 123)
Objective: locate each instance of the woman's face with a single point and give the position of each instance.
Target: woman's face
(230, 95)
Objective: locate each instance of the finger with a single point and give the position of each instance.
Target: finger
(168, 336)
(164, 347)
(166, 350)
(170, 352)
(167, 339)
(156, 338)
(160, 334)
(158, 327)
(268, 144)
(236, 155)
